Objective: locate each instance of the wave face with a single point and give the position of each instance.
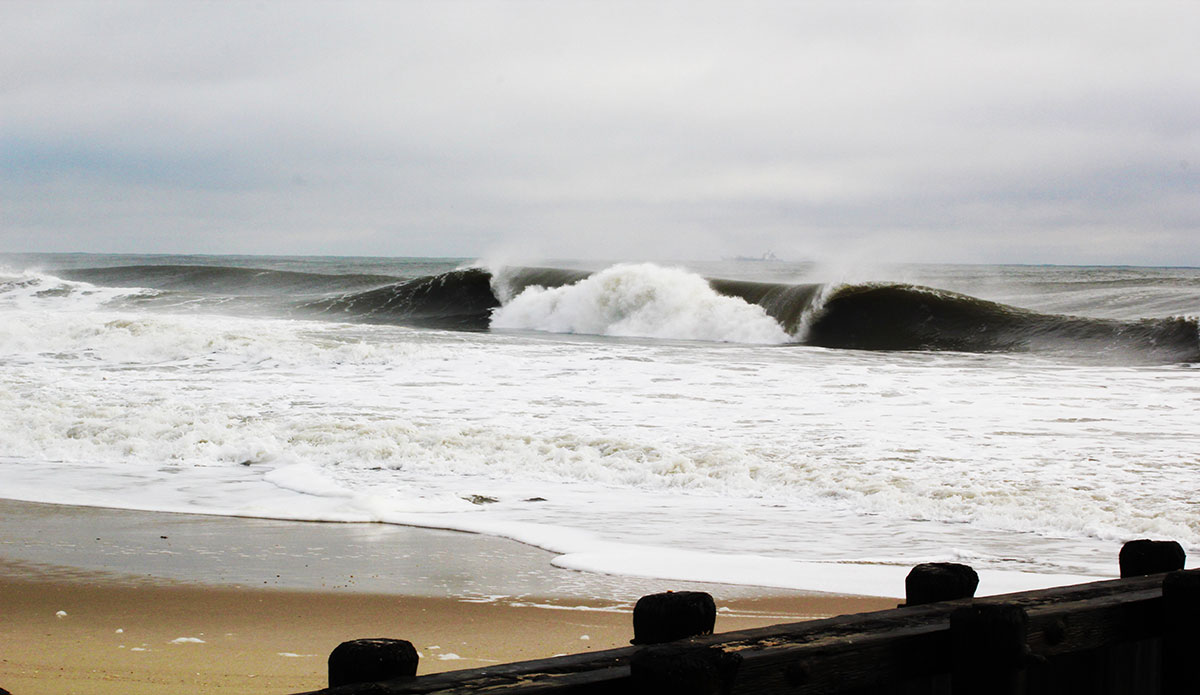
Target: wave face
(460, 299)
(665, 303)
(906, 317)
(223, 280)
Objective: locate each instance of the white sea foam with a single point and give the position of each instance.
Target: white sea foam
(35, 290)
(642, 300)
(796, 467)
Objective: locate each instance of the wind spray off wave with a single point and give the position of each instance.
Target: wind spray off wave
(644, 301)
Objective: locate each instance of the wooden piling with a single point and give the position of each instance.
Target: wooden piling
(931, 582)
(1142, 557)
(673, 615)
(371, 660)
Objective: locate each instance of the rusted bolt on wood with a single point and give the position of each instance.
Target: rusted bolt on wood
(1055, 632)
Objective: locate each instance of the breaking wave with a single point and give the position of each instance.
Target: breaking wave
(640, 301)
(647, 301)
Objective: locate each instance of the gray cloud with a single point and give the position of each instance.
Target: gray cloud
(1027, 132)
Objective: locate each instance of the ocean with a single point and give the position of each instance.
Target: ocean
(749, 422)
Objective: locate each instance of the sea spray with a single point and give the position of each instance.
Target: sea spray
(643, 300)
(813, 310)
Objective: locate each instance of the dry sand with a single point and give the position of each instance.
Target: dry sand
(66, 629)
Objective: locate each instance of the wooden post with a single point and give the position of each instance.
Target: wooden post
(931, 582)
(683, 670)
(673, 615)
(370, 660)
(1145, 556)
(989, 649)
(1181, 634)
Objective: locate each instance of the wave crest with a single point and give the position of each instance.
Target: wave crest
(645, 301)
(629, 300)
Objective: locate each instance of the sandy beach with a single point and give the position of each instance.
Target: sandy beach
(95, 601)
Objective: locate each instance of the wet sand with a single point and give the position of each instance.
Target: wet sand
(98, 601)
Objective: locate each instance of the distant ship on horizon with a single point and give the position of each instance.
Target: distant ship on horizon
(769, 256)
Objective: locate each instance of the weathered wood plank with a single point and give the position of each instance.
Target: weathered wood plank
(1076, 626)
(849, 661)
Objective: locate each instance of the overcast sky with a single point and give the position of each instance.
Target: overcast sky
(1039, 132)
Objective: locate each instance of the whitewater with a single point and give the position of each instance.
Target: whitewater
(748, 423)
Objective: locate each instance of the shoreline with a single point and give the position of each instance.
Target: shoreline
(155, 602)
(250, 552)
